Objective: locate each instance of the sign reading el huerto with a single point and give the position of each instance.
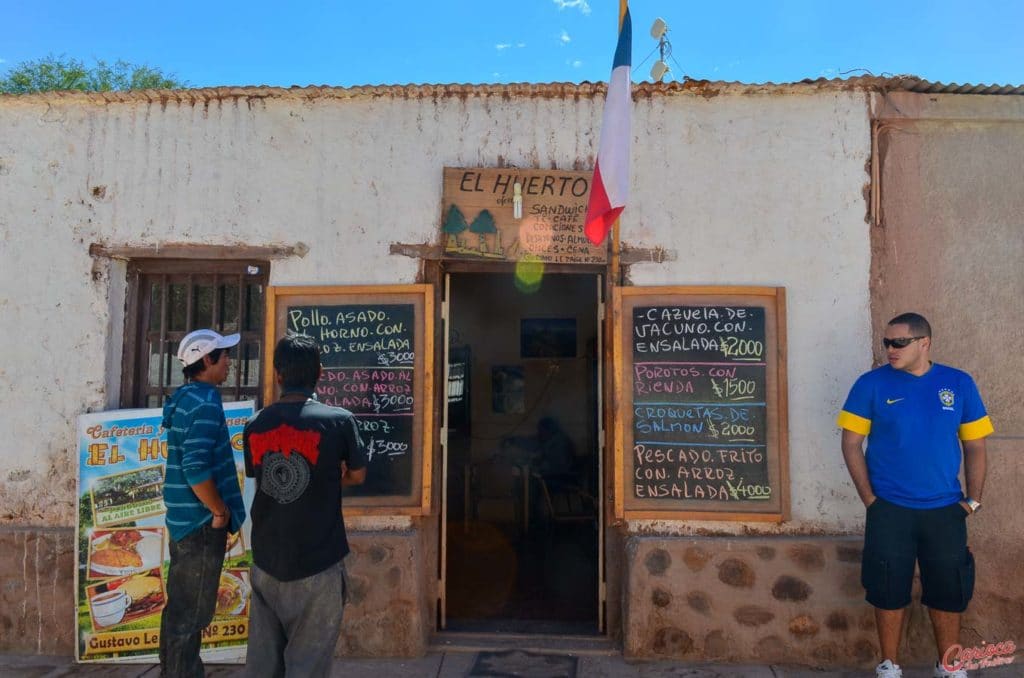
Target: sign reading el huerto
(479, 222)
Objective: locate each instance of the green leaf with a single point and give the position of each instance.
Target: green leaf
(61, 74)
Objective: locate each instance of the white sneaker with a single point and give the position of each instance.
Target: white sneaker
(888, 670)
(941, 672)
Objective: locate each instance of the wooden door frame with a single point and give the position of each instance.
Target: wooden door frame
(435, 272)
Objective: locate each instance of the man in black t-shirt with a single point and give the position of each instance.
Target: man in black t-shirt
(301, 453)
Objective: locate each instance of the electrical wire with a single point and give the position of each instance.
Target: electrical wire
(677, 64)
(637, 67)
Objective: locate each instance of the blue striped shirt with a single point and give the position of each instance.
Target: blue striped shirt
(198, 448)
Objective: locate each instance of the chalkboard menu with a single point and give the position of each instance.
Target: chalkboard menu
(702, 371)
(375, 352)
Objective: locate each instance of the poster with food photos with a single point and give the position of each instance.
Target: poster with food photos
(122, 542)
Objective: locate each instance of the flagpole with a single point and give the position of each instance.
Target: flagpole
(608, 464)
(616, 277)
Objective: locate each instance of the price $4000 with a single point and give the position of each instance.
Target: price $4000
(743, 491)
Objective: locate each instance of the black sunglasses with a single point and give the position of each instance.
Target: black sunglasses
(900, 342)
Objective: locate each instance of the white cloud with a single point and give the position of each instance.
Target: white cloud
(520, 45)
(577, 63)
(582, 5)
(502, 45)
(564, 37)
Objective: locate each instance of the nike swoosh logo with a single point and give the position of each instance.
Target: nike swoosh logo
(889, 401)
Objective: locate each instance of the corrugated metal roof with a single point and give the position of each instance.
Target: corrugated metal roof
(926, 87)
(902, 83)
(707, 88)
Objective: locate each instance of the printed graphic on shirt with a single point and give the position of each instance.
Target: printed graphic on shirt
(947, 398)
(284, 478)
(286, 455)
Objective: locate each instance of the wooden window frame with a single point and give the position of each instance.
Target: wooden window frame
(135, 388)
(773, 300)
(421, 296)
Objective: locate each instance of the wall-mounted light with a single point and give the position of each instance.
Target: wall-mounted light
(517, 200)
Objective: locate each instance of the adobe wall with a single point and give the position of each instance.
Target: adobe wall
(756, 187)
(947, 240)
(746, 188)
(949, 244)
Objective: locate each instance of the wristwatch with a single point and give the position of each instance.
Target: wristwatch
(973, 503)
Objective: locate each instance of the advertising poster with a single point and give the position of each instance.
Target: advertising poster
(122, 550)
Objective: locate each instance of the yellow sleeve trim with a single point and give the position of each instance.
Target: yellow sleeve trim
(852, 422)
(976, 429)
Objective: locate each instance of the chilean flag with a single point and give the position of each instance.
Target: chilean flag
(610, 186)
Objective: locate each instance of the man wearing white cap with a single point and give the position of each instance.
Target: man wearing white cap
(202, 497)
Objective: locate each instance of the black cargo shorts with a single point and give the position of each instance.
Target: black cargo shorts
(896, 538)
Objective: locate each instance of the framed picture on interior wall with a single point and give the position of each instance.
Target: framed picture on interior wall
(508, 389)
(547, 338)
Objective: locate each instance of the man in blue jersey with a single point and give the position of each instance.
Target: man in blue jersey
(202, 497)
(919, 419)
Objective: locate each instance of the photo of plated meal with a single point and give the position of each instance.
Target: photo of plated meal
(119, 601)
(233, 592)
(124, 551)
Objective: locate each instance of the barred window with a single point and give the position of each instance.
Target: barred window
(170, 298)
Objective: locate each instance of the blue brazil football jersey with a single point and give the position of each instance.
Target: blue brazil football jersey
(914, 426)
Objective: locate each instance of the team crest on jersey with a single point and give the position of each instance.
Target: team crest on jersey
(947, 398)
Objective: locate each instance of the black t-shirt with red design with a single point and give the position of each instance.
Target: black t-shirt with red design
(294, 450)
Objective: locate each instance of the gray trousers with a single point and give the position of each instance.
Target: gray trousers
(294, 625)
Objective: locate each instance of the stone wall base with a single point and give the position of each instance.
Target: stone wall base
(386, 617)
(763, 600)
(794, 600)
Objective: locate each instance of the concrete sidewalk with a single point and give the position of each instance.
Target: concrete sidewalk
(469, 664)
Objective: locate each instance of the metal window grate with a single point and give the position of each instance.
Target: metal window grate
(172, 298)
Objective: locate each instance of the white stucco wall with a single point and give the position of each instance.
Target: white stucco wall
(770, 190)
(748, 188)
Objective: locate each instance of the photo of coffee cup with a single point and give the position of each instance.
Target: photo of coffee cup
(108, 608)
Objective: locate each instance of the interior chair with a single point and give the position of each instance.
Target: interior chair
(566, 503)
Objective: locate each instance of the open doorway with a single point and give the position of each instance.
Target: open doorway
(522, 503)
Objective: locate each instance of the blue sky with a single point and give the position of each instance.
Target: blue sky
(454, 41)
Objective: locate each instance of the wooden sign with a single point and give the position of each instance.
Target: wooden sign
(701, 432)
(479, 222)
(377, 357)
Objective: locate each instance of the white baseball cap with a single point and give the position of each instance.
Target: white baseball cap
(198, 343)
